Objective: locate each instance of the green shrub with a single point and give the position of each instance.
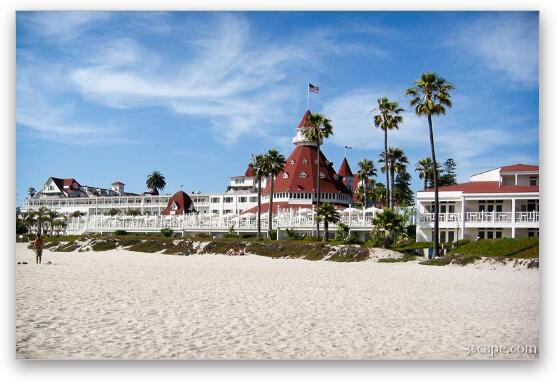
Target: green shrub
(528, 247)
(120, 232)
(66, 247)
(353, 238)
(273, 234)
(350, 254)
(202, 236)
(166, 232)
(103, 245)
(402, 259)
(247, 236)
(149, 246)
(465, 260)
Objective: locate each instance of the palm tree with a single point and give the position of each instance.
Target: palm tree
(274, 163)
(51, 219)
(31, 191)
(155, 181)
(327, 213)
(431, 96)
(40, 216)
(395, 163)
(365, 174)
(424, 168)
(321, 128)
(388, 119)
(389, 222)
(258, 164)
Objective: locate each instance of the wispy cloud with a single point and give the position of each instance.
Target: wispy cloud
(62, 25)
(506, 43)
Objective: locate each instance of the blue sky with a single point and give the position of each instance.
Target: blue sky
(113, 96)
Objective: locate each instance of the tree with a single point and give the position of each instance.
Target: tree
(321, 128)
(113, 212)
(274, 163)
(134, 212)
(388, 118)
(403, 194)
(394, 162)
(365, 174)
(424, 168)
(40, 216)
(389, 223)
(448, 175)
(431, 96)
(327, 213)
(52, 216)
(379, 193)
(258, 164)
(31, 191)
(155, 181)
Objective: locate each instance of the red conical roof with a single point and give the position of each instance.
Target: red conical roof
(304, 122)
(301, 173)
(344, 169)
(249, 171)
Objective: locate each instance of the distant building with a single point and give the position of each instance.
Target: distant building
(503, 202)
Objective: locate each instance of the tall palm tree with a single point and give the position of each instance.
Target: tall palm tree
(258, 164)
(327, 213)
(424, 168)
(321, 128)
(155, 181)
(274, 163)
(431, 96)
(388, 118)
(395, 163)
(365, 174)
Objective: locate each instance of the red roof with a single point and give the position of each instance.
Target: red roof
(520, 167)
(304, 122)
(285, 205)
(60, 183)
(486, 187)
(183, 202)
(303, 161)
(344, 169)
(249, 171)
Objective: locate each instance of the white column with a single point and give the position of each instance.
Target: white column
(463, 218)
(513, 211)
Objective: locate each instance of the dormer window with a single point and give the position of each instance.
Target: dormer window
(285, 175)
(292, 161)
(303, 175)
(305, 161)
(321, 175)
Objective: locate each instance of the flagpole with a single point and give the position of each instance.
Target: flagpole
(308, 96)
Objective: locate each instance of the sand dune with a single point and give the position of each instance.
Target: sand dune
(121, 304)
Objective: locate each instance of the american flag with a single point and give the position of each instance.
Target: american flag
(313, 88)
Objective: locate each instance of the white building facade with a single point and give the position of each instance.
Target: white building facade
(503, 202)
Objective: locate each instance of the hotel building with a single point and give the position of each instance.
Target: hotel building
(503, 202)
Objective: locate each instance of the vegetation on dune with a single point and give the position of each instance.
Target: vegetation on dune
(350, 254)
(104, 245)
(183, 248)
(66, 247)
(402, 259)
(506, 247)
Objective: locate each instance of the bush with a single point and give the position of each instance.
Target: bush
(273, 234)
(353, 238)
(402, 259)
(149, 246)
(166, 232)
(202, 236)
(120, 232)
(529, 247)
(104, 245)
(247, 236)
(350, 254)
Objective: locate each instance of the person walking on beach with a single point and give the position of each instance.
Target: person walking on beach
(38, 245)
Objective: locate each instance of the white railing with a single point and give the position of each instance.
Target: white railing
(527, 217)
(102, 223)
(489, 217)
(444, 217)
(482, 217)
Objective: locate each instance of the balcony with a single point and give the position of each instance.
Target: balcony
(482, 217)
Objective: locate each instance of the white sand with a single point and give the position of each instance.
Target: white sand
(121, 304)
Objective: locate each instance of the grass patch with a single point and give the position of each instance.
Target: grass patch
(183, 248)
(291, 249)
(150, 246)
(402, 259)
(222, 246)
(350, 254)
(66, 247)
(438, 261)
(514, 248)
(103, 245)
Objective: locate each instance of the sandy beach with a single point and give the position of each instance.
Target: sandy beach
(121, 304)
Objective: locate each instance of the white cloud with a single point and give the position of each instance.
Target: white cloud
(506, 43)
(63, 25)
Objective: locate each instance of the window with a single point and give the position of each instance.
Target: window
(303, 175)
(285, 175)
(292, 161)
(305, 161)
(242, 199)
(216, 212)
(228, 199)
(215, 200)
(227, 212)
(533, 181)
(253, 199)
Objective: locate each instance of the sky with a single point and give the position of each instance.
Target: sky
(106, 96)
